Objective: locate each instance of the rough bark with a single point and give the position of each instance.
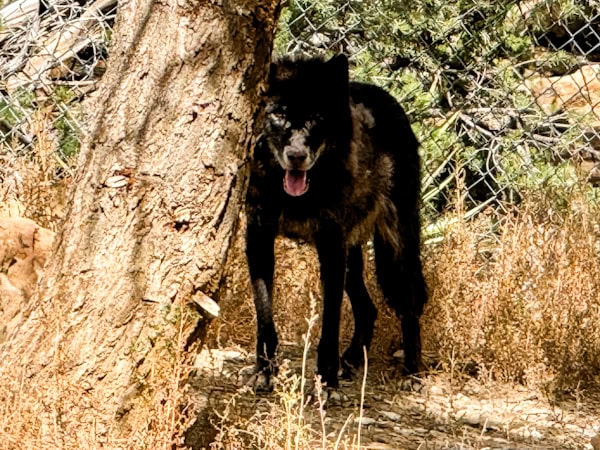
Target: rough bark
(160, 183)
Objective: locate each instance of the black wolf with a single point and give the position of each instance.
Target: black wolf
(336, 165)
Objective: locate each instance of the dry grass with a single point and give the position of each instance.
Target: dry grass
(516, 297)
(512, 299)
(33, 413)
(34, 182)
(521, 304)
(286, 421)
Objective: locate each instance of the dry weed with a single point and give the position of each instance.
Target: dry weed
(51, 411)
(513, 297)
(521, 303)
(34, 182)
(517, 297)
(285, 421)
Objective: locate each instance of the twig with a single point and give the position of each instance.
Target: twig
(311, 321)
(362, 394)
(5, 127)
(476, 125)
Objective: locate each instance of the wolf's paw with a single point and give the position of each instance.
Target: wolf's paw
(411, 383)
(351, 361)
(328, 397)
(256, 378)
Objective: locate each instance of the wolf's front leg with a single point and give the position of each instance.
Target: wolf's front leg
(260, 242)
(332, 257)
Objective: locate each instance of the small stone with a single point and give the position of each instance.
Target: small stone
(391, 415)
(233, 356)
(334, 396)
(536, 435)
(436, 390)
(472, 418)
(366, 421)
(399, 354)
(527, 433)
(595, 441)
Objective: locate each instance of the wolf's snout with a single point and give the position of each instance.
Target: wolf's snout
(295, 157)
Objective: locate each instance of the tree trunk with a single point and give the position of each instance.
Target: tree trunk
(161, 179)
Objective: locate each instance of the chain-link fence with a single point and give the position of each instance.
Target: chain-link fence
(502, 95)
(52, 54)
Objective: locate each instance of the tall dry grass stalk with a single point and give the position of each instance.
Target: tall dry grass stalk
(520, 298)
(516, 296)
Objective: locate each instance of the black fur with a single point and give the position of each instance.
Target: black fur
(336, 165)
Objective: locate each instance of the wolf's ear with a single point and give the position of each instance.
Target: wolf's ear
(338, 67)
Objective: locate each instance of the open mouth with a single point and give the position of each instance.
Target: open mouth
(295, 182)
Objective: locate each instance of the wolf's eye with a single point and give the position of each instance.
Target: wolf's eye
(279, 120)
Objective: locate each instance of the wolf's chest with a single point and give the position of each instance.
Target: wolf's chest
(355, 225)
(298, 227)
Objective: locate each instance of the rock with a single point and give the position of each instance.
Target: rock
(543, 18)
(391, 415)
(365, 421)
(529, 433)
(472, 418)
(399, 354)
(235, 356)
(24, 249)
(578, 92)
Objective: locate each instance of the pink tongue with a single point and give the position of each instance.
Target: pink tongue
(294, 182)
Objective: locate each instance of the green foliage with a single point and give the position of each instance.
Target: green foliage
(14, 109)
(17, 112)
(458, 67)
(69, 133)
(67, 122)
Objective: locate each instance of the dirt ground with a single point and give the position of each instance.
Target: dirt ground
(442, 412)
(450, 409)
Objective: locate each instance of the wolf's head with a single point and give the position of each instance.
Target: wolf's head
(307, 114)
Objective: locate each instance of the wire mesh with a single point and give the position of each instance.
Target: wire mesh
(504, 96)
(52, 54)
